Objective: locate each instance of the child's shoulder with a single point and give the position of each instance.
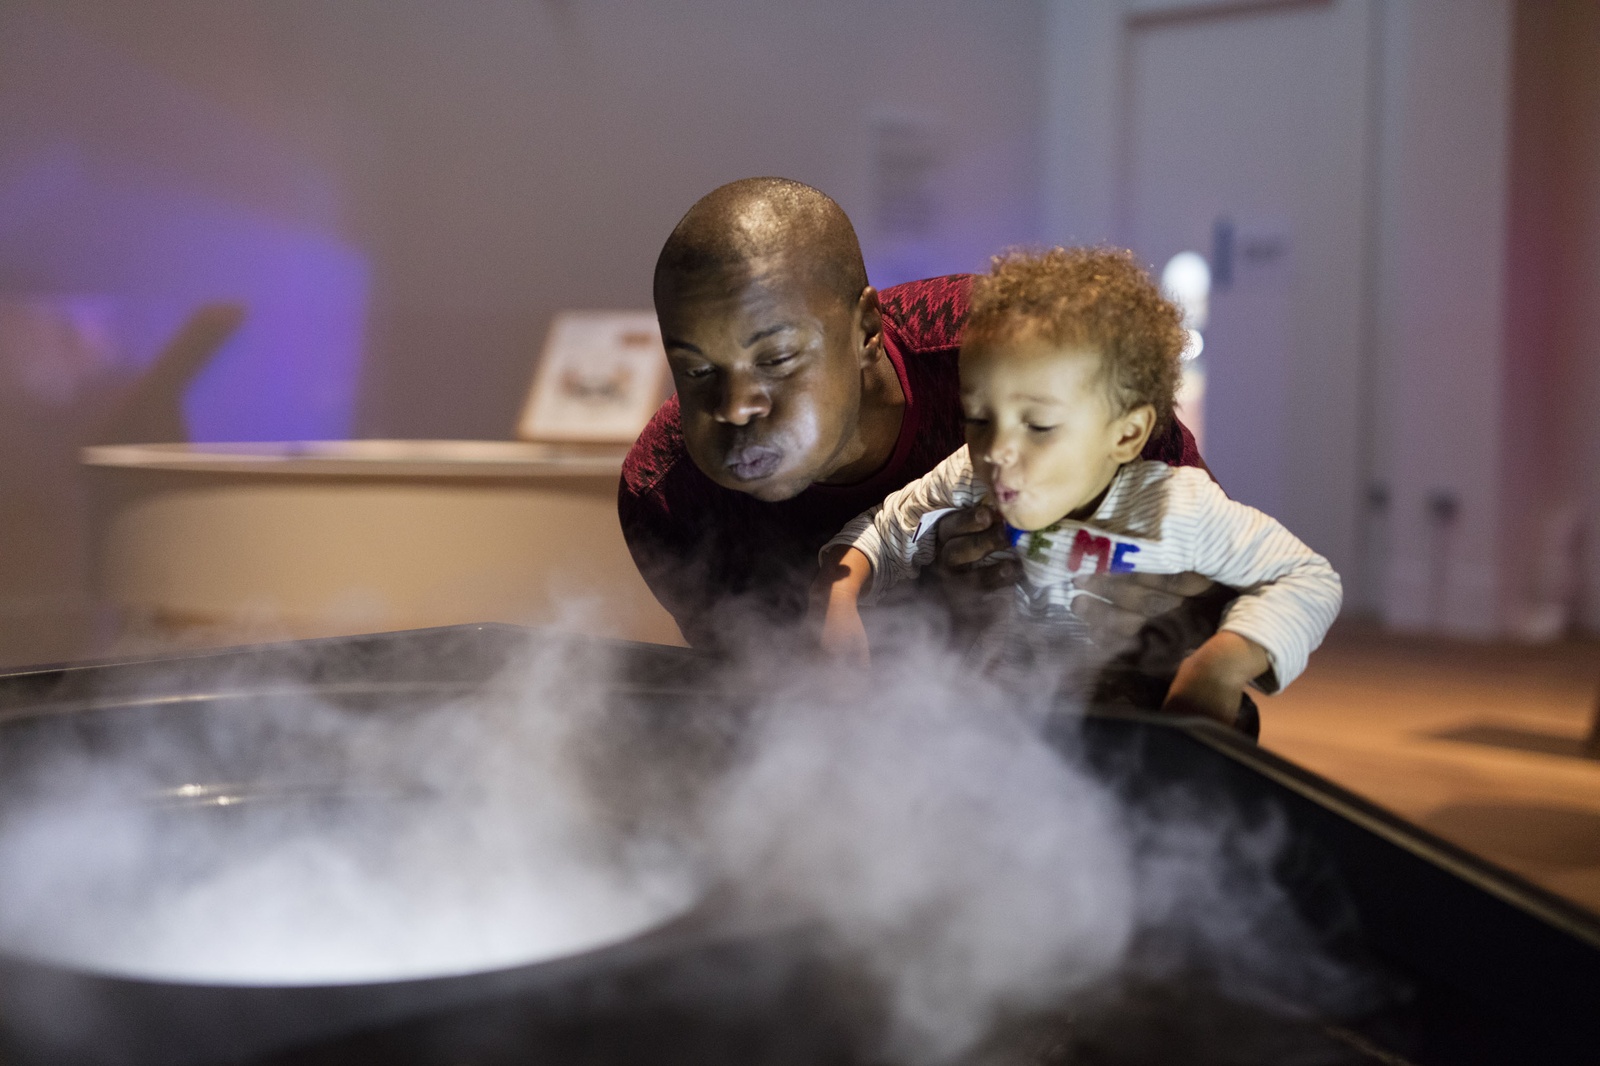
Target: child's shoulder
(954, 468)
(1151, 476)
(1148, 494)
(954, 481)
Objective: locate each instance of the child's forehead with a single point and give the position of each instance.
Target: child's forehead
(1044, 369)
(1027, 346)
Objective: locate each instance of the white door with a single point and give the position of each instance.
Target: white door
(1244, 135)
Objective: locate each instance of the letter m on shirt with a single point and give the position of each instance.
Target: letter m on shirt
(1089, 548)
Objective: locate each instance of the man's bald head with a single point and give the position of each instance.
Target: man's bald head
(764, 220)
(774, 338)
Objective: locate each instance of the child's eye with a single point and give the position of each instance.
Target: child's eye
(695, 372)
(1033, 427)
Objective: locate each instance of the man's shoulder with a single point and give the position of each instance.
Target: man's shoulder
(664, 493)
(927, 315)
(657, 455)
(1175, 446)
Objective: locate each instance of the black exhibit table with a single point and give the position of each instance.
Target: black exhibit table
(1493, 969)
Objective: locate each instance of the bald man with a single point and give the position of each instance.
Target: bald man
(804, 397)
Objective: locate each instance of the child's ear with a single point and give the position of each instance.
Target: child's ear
(1132, 429)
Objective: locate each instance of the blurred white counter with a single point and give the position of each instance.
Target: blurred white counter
(326, 538)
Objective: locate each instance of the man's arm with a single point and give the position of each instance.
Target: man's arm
(1119, 605)
(671, 570)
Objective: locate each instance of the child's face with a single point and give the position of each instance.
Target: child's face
(1042, 429)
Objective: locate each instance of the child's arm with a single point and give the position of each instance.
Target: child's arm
(881, 548)
(1289, 597)
(1212, 680)
(894, 535)
(835, 596)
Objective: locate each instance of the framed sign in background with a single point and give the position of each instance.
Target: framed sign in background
(601, 377)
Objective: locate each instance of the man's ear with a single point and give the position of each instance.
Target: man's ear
(869, 323)
(1132, 430)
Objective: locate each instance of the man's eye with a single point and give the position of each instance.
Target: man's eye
(778, 360)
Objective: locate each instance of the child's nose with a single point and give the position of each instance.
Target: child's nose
(1002, 450)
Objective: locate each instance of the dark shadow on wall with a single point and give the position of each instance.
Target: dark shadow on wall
(151, 409)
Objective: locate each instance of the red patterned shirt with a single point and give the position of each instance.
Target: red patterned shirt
(717, 557)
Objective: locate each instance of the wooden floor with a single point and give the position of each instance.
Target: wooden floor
(1482, 744)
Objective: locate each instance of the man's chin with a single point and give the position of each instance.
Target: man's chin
(774, 489)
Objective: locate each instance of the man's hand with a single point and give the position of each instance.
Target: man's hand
(1120, 605)
(966, 538)
(962, 570)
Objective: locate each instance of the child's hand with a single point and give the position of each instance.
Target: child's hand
(1212, 680)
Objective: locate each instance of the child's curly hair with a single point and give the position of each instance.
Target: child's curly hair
(1095, 298)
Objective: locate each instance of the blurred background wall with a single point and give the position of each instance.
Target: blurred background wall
(456, 174)
(400, 194)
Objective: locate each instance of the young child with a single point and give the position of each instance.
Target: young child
(1069, 360)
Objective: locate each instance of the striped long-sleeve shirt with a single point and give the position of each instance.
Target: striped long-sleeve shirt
(1154, 519)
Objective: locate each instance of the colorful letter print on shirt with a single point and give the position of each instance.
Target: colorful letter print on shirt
(1055, 558)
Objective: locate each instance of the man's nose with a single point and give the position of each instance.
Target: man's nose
(742, 399)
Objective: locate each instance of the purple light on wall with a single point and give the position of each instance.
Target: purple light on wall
(118, 182)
